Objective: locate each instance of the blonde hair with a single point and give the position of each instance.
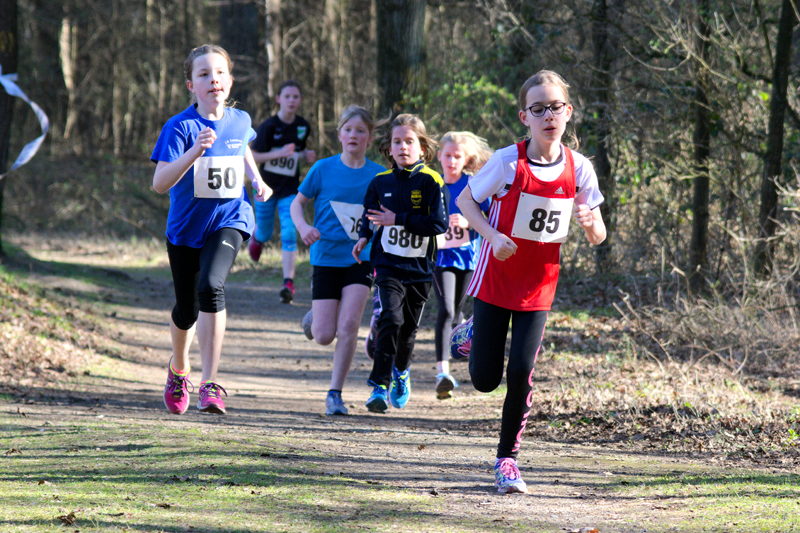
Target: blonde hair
(548, 77)
(476, 149)
(353, 111)
(428, 144)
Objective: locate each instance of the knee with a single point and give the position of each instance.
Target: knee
(211, 296)
(324, 336)
(184, 316)
(347, 328)
(482, 380)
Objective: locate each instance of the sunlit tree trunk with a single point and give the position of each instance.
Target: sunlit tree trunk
(401, 25)
(768, 210)
(8, 60)
(698, 248)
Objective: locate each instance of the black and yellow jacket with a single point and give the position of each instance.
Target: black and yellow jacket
(415, 196)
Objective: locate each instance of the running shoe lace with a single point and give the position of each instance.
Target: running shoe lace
(178, 385)
(212, 389)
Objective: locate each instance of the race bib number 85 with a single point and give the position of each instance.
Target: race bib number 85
(542, 219)
(219, 176)
(397, 240)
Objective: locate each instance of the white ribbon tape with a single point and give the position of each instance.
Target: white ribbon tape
(30, 149)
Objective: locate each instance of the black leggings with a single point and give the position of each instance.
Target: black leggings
(490, 329)
(199, 275)
(450, 287)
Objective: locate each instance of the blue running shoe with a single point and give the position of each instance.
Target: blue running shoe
(334, 405)
(378, 401)
(400, 388)
(507, 478)
(461, 340)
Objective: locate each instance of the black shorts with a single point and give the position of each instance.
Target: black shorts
(327, 282)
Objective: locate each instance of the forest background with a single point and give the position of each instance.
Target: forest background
(689, 111)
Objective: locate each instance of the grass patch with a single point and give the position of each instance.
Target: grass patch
(168, 477)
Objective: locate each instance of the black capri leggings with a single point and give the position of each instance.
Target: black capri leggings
(199, 275)
(490, 329)
(450, 287)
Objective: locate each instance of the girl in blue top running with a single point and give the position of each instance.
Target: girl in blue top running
(202, 157)
(340, 285)
(461, 154)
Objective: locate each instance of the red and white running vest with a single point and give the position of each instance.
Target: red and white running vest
(535, 214)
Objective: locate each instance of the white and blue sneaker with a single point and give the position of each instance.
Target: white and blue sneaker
(445, 383)
(507, 478)
(334, 405)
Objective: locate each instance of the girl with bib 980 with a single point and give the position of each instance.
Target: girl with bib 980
(202, 158)
(536, 187)
(405, 206)
(340, 285)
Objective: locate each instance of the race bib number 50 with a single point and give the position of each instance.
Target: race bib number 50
(397, 240)
(542, 219)
(220, 176)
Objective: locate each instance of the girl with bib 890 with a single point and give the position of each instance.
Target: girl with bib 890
(202, 157)
(536, 186)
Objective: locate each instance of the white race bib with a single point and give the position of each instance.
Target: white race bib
(349, 216)
(397, 240)
(220, 176)
(542, 219)
(285, 166)
(454, 237)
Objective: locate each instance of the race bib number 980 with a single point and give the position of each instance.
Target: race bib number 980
(542, 219)
(219, 176)
(397, 240)
(285, 166)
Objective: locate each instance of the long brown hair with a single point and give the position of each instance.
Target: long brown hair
(428, 144)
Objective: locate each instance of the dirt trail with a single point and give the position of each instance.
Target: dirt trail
(277, 381)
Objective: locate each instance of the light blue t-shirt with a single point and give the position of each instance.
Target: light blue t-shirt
(192, 219)
(338, 194)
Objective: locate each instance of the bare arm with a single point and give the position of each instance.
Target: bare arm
(167, 174)
(502, 246)
(308, 233)
(591, 221)
(263, 192)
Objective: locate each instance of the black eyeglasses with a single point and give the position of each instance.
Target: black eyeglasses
(538, 110)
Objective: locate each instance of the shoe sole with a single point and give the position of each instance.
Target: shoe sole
(444, 389)
(286, 296)
(512, 490)
(212, 409)
(338, 412)
(377, 406)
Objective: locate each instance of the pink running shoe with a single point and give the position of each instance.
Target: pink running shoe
(507, 478)
(210, 399)
(254, 248)
(176, 393)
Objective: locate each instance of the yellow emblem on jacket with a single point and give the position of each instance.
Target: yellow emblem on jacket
(416, 198)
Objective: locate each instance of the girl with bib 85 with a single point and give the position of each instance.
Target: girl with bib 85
(405, 206)
(536, 186)
(202, 158)
(340, 285)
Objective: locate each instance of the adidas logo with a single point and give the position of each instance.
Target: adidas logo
(559, 191)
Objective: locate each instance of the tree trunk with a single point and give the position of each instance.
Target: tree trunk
(698, 248)
(768, 210)
(401, 26)
(8, 60)
(602, 91)
(239, 35)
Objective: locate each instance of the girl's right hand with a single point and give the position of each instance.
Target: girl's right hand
(286, 150)
(204, 140)
(309, 235)
(360, 244)
(502, 247)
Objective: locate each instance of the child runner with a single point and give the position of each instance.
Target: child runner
(461, 154)
(406, 205)
(280, 143)
(535, 185)
(340, 285)
(201, 158)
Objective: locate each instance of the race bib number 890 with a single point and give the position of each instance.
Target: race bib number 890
(397, 240)
(542, 219)
(285, 166)
(219, 176)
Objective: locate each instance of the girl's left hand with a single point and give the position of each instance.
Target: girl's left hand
(459, 221)
(382, 217)
(584, 215)
(311, 156)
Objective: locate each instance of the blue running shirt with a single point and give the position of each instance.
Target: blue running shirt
(191, 219)
(465, 256)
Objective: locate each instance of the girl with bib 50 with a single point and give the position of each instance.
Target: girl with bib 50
(202, 157)
(536, 186)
